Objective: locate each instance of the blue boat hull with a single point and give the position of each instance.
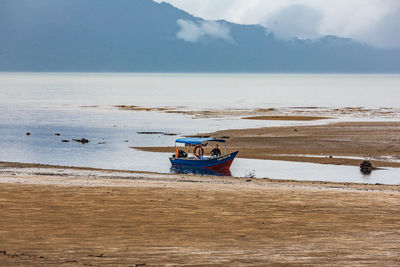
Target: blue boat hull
(200, 171)
(222, 162)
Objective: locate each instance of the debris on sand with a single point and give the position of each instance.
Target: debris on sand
(149, 132)
(138, 108)
(83, 140)
(163, 133)
(199, 136)
(366, 167)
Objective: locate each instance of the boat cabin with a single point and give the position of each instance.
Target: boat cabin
(195, 148)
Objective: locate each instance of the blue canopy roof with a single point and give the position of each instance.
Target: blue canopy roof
(197, 140)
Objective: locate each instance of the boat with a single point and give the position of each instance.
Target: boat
(196, 159)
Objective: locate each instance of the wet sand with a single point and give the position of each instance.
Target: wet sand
(287, 118)
(59, 216)
(334, 143)
(280, 113)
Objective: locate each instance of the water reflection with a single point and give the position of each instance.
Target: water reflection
(200, 171)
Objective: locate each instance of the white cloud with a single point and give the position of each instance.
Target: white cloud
(294, 21)
(385, 33)
(375, 22)
(191, 31)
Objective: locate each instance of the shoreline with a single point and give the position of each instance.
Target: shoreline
(10, 171)
(286, 118)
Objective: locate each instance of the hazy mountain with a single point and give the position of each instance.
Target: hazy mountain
(144, 36)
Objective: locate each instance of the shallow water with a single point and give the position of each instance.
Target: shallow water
(200, 90)
(45, 104)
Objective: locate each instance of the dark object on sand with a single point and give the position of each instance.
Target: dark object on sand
(83, 140)
(366, 167)
(65, 141)
(58, 134)
(163, 133)
(149, 132)
(28, 133)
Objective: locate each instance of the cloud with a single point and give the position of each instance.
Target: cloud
(385, 34)
(190, 32)
(193, 32)
(374, 22)
(298, 21)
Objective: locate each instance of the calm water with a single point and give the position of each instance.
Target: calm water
(45, 104)
(200, 90)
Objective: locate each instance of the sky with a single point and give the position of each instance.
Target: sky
(373, 22)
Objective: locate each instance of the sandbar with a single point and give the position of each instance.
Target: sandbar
(287, 118)
(344, 143)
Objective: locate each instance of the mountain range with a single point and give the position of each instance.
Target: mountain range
(145, 36)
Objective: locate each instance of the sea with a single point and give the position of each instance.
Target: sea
(53, 107)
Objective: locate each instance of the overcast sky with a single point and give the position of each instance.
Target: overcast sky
(375, 22)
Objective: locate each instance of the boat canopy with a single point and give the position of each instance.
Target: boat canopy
(197, 140)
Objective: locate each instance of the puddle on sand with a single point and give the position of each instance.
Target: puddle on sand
(287, 170)
(276, 169)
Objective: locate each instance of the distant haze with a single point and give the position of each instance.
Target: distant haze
(146, 36)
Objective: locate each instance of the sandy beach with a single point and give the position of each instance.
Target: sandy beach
(59, 216)
(344, 143)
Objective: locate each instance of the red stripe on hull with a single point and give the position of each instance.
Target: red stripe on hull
(224, 166)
